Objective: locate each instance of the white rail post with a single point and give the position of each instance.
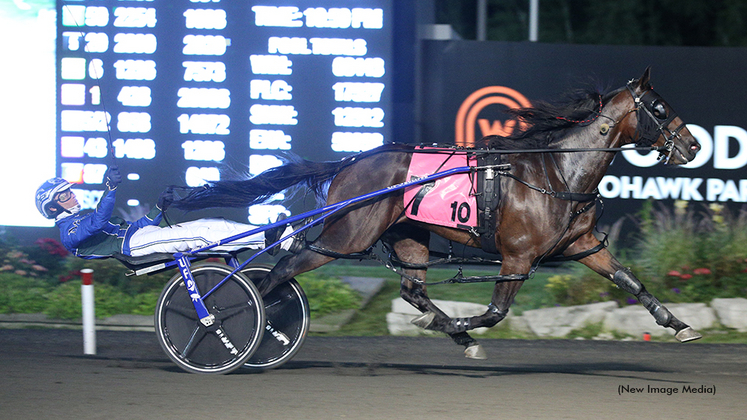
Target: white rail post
(533, 20)
(89, 312)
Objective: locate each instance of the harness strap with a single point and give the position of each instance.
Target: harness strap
(488, 197)
(365, 255)
(600, 246)
(580, 197)
(448, 259)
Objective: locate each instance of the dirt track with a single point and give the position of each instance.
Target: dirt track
(45, 376)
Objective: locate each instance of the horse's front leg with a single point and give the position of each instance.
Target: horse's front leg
(604, 263)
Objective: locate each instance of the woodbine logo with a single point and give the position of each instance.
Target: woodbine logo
(470, 112)
(725, 152)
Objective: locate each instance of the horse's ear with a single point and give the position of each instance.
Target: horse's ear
(645, 81)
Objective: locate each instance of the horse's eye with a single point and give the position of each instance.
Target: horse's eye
(659, 110)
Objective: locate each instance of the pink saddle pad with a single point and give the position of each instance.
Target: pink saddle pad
(447, 201)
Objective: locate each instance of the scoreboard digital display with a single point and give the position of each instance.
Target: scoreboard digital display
(174, 91)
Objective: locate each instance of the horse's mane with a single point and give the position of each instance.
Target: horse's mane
(546, 122)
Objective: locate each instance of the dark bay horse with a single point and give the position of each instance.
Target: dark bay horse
(535, 219)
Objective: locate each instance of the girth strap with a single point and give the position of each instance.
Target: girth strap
(488, 197)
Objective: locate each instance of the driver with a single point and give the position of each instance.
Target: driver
(98, 234)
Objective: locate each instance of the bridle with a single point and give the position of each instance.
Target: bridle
(649, 129)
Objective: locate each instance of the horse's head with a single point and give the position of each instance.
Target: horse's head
(658, 125)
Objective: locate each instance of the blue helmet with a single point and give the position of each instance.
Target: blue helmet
(45, 196)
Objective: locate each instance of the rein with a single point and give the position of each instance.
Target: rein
(468, 151)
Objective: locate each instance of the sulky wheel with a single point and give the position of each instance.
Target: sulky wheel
(230, 341)
(287, 315)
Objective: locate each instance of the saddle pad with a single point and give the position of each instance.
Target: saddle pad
(446, 201)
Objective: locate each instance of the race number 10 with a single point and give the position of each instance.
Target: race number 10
(461, 211)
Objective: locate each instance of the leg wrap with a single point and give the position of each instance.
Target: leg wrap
(628, 282)
(625, 280)
(494, 315)
(463, 339)
(660, 313)
(458, 325)
(489, 319)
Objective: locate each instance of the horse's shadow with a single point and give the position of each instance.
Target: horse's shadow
(606, 369)
(615, 370)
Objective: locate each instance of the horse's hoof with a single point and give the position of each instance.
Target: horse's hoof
(687, 334)
(475, 351)
(425, 320)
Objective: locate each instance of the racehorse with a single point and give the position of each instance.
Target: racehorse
(544, 209)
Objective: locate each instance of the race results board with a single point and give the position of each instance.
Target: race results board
(174, 92)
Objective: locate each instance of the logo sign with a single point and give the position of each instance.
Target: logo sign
(476, 110)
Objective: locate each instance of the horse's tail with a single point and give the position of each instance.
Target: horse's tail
(244, 193)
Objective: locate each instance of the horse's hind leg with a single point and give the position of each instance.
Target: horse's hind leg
(604, 263)
(410, 243)
(353, 231)
(290, 266)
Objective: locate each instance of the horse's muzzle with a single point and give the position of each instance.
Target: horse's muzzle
(693, 148)
(684, 150)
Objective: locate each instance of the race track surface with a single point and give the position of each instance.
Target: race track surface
(46, 376)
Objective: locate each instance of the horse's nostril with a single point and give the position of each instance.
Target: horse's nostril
(695, 147)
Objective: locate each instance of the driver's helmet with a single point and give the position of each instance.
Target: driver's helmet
(46, 193)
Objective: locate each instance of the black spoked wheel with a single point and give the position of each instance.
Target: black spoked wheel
(287, 315)
(230, 341)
